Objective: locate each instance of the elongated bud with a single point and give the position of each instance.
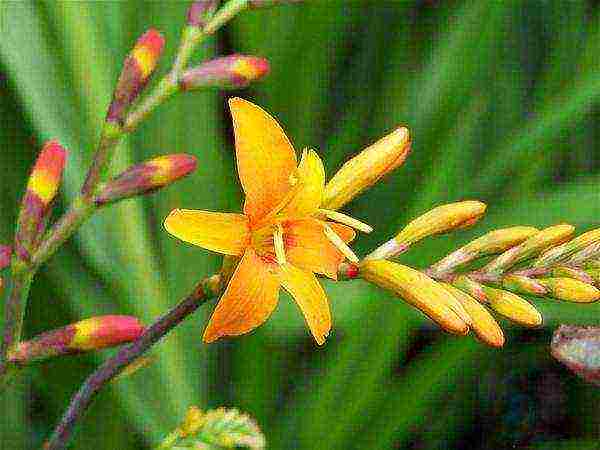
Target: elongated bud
(418, 290)
(578, 348)
(571, 290)
(590, 252)
(564, 251)
(482, 322)
(547, 238)
(42, 187)
(137, 69)
(513, 307)
(200, 12)
(365, 169)
(228, 72)
(490, 243)
(5, 255)
(90, 334)
(471, 287)
(523, 285)
(147, 177)
(268, 3)
(571, 272)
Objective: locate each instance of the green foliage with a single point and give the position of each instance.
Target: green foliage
(502, 100)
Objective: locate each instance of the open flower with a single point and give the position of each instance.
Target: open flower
(283, 238)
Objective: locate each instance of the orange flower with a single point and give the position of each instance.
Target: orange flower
(283, 238)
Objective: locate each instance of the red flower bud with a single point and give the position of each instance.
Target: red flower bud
(234, 71)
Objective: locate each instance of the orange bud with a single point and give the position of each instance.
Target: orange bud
(147, 51)
(234, 72)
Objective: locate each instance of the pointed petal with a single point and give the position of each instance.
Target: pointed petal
(311, 180)
(307, 247)
(266, 160)
(250, 298)
(343, 231)
(304, 287)
(220, 232)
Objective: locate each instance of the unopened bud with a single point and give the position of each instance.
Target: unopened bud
(147, 177)
(513, 307)
(366, 168)
(137, 69)
(471, 287)
(418, 290)
(571, 272)
(547, 238)
(490, 243)
(571, 290)
(228, 72)
(442, 219)
(564, 251)
(482, 322)
(42, 187)
(590, 252)
(578, 348)
(200, 12)
(523, 285)
(90, 334)
(5, 255)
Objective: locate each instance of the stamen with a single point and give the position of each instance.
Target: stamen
(278, 244)
(340, 244)
(346, 220)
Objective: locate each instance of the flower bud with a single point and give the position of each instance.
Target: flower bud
(200, 12)
(442, 219)
(147, 177)
(366, 168)
(490, 243)
(42, 187)
(5, 255)
(137, 69)
(513, 307)
(578, 348)
(227, 72)
(523, 285)
(547, 238)
(482, 322)
(571, 272)
(564, 251)
(588, 253)
(471, 287)
(90, 334)
(418, 290)
(571, 290)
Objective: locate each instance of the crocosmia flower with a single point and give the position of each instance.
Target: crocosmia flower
(283, 237)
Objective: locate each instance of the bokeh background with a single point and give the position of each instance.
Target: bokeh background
(503, 102)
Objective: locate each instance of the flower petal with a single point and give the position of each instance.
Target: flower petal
(307, 247)
(266, 160)
(220, 232)
(311, 180)
(250, 298)
(345, 232)
(304, 287)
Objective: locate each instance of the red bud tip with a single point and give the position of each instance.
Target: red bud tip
(46, 174)
(105, 331)
(234, 71)
(151, 42)
(5, 254)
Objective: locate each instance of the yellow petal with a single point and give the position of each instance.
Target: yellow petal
(250, 298)
(311, 181)
(266, 160)
(304, 287)
(307, 247)
(345, 232)
(220, 232)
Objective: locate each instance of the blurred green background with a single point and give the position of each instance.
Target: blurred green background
(503, 100)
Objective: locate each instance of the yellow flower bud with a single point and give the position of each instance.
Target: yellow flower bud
(366, 168)
(562, 252)
(513, 307)
(441, 220)
(571, 290)
(418, 290)
(547, 238)
(482, 322)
